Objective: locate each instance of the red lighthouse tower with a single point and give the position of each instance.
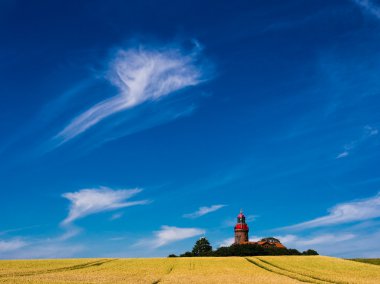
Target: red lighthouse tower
(241, 229)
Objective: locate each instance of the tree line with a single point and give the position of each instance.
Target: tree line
(203, 247)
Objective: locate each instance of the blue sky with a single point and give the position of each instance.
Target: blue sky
(130, 129)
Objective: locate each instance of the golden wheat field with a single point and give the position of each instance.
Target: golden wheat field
(266, 269)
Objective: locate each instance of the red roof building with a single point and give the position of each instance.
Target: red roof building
(241, 235)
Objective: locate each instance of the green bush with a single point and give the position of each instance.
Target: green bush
(310, 252)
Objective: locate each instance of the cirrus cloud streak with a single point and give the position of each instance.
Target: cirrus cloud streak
(343, 213)
(94, 200)
(203, 211)
(141, 75)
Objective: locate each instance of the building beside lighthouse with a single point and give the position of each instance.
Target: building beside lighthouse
(241, 235)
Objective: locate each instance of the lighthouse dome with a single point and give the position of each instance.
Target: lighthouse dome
(241, 215)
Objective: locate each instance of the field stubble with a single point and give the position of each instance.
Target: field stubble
(269, 269)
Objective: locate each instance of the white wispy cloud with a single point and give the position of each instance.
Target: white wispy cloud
(70, 232)
(306, 242)
(116, 216)
(326, 238)
(141, 75)
(346, 242)
(11, 245)
(369, 7)
(94, 200)
(368, 132)
(5, 232)
(203, 211)
(354, 211)
(342, 155)
(170, 234)
(117, 238)
(43, 249)
(226, 242)
(83, 203)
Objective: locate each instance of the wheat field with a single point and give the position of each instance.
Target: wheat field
(266, 269)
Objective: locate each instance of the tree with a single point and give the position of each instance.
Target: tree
(187, 254)
(310, 252)
(172, 255)
(293, 252)
(202, 247)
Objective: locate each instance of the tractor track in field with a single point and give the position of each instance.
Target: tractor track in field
(61, 269)
(167, 273)
(270, 270)
(293, 275)
(313, 277)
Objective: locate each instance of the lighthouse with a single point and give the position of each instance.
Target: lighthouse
(241, 229)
